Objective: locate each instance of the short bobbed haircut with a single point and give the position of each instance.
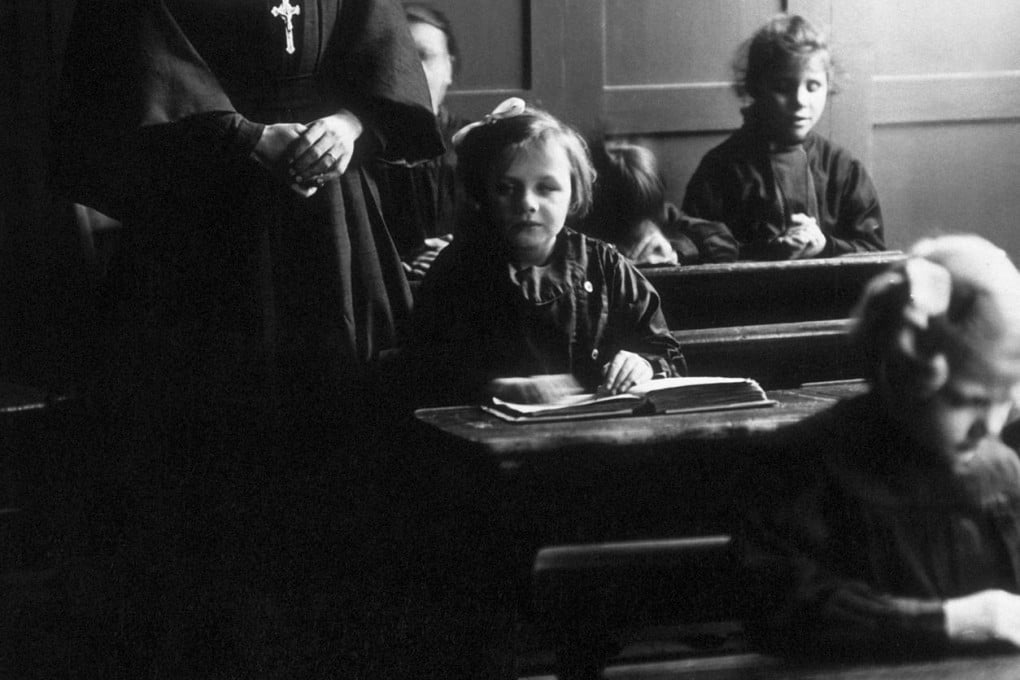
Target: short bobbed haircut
(489, 148)
(951, 306)
(786, 39)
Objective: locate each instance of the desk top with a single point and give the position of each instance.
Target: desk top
(752, 666)
(505, 440)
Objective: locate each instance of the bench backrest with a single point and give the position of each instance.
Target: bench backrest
(745, 293)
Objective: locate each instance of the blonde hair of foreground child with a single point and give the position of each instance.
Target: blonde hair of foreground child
(953, 305)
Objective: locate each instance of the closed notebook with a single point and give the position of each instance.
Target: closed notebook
(668, 395)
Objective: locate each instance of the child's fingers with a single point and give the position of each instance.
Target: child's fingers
(625, 378)
(611, 372)
(438, 242)
(624, 371)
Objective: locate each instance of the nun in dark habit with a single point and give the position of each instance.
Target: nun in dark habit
(233, 140)
(250, 289)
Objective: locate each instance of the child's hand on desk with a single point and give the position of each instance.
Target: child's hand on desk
(803, 239)
(623, 372)
(536, 389)
(984, 617)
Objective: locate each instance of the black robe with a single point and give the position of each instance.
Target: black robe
(226, 283)
(421, 201)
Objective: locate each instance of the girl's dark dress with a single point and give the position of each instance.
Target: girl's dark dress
(856, 539)
(475, 323)
(753, 191)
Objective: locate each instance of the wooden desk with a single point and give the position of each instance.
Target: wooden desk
(515, 443)
(613, 479)
(619, 478)
(756, 667)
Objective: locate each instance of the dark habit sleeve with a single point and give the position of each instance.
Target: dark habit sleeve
(135, 89)
(128, 72)
(376, 69)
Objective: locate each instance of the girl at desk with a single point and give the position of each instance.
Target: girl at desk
(892, 522)
(520, 293)
(784, 191)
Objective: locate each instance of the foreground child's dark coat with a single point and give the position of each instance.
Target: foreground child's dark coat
(473, 323)
(736, 184)
(856, 539)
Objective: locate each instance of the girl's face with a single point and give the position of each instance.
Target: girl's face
(971, 407)
(435, 60)
(529, 200)
(793, 99)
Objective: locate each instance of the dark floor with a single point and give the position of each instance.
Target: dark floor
(148, 564)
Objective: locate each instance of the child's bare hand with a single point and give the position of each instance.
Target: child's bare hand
(623, 372)
(983, 617)
(652, 248)
(536, 389)
(419, 266)
(803, 238)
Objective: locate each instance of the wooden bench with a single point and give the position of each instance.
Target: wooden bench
(589, 599)
(777, 355)
(746, 293)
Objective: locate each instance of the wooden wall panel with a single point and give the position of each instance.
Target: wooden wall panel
(497, 42)
(946, 116)
(950, 178)
(940, 36)
(493, 37)
(675, 76)
(679, 42)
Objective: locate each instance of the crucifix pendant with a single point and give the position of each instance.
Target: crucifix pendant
(287, 12)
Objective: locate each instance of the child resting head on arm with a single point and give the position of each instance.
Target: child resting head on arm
(895, 517)
(631, 212)
(630, 204)
(520, 293)
(784, 191)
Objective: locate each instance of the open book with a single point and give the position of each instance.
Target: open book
(667, 395)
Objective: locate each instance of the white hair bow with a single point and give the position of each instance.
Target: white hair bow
(508, 108)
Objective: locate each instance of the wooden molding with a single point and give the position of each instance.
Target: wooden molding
(937, 97)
